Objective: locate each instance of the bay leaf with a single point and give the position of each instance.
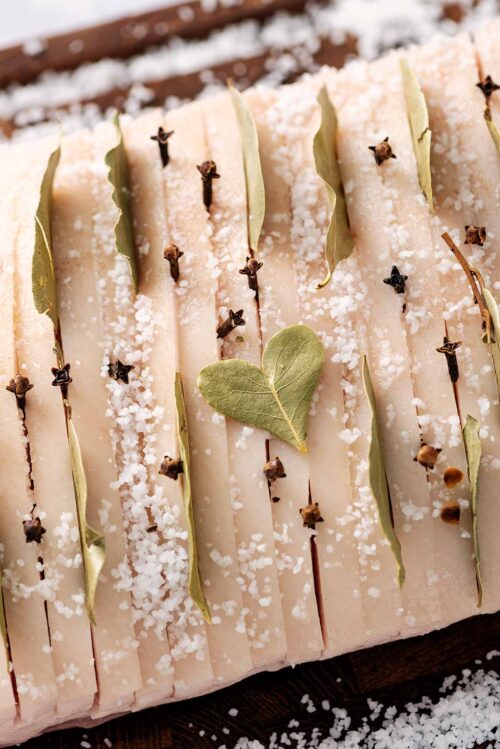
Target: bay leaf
(43, 274)
(116, 160)
(195, 585)
(418, 118)
(492, 127)
(473, 453)
(256, 196)
(339, 243)
(378, 477)
(494, 343)
(275, 397)
(93, 543)
(3, 623)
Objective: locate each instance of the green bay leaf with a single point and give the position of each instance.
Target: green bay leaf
(93, 543)
(116, 160)
(339, 242)
(473, 453)
(195, 585)
(493, 129)
(494, 343)
(418, 118)
(42, 270)
(378, 477)
(275, 397)
(256, 196)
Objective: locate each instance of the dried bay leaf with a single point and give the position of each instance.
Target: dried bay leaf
(418, 118)
(378, 478)
(42, 270)
(473, 453)
(195, 585)
(3, 623)
(116, 160)
(256, 196)
(275, 397)
(492, 127)
(93, 543)
(339, 242)
(494, 342)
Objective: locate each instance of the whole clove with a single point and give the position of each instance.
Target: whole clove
(396, 280)
(119, 371)
(311, 515)
(448, 349)
(234, 319)
(162, 138)
(250, 271)
(208, 171)
(274, 469)
(487, 86)
(450, 512)
(427, 455)
(382, 151)
(171, 467)
(275, 500)
(475, 235)
(62, 378)
(33, 529)
(172, 254)
(20, 385)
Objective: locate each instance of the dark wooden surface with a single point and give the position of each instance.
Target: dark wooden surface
(395, 673)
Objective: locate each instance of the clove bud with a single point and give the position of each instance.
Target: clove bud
(450, 512)
(488, 86)
(171, 467)
(208, 171)
(250, 270)
(172, 255)
(20, 385)
(452, 477)
(274, 469)
(119, 371)
(311, 515)
(448, 349)
(62, 378)
(475, 235)
(396, 280)
(33, 529)
(162, 138)
(234, 319)
(382, 151)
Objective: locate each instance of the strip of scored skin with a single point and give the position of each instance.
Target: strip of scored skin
(24, 608)
(51, 465)
(387, 347)
(246, 446)
(465, 167)
(279, 308)
(343, 550)
(410, 240)
(125, 338)
(115, 646)
(190, 229)
(185, 626)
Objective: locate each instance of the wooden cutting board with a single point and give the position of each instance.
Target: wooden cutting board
(393, 674)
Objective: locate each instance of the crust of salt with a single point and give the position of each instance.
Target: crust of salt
(25, 614)
(246, 447)
(387, 347)
(190, 229)
(186, 628)
(51, 465)
(465, 196)
(279, 307)
(337, 539)
(425, 327)
(115, 646)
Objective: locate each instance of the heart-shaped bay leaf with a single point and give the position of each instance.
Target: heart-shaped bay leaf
(275, 397)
